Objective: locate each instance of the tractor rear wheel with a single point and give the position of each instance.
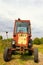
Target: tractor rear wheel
(7, 55)
(36, 55)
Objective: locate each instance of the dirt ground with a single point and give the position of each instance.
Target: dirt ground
(20, 60)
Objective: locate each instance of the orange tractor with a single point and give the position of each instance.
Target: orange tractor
(21, 40)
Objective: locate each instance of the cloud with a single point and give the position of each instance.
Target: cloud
(6, 25)
(23, 3)
(16, 8)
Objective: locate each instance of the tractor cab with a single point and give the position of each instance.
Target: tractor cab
(22, 26)
(22, 32)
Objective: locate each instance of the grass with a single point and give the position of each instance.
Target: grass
(40, 47)
(4, 44)
(17, 59)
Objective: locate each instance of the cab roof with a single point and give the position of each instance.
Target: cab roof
(22, 20)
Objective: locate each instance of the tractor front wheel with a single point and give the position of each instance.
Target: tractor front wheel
(7, 55)
(36, 55)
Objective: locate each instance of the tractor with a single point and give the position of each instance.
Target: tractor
(21, 41)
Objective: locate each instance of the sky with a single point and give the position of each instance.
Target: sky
(24, 9)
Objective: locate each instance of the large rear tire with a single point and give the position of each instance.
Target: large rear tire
(35, 55)
(7, 55)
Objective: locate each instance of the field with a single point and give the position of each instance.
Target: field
(20, 59)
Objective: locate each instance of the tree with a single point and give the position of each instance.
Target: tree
(41, 40)
(36, 41)
(1, 37)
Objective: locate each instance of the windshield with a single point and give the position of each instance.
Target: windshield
(21, 29)
(22, 26)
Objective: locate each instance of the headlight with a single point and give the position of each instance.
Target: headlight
(29, 44)
(13, 42)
